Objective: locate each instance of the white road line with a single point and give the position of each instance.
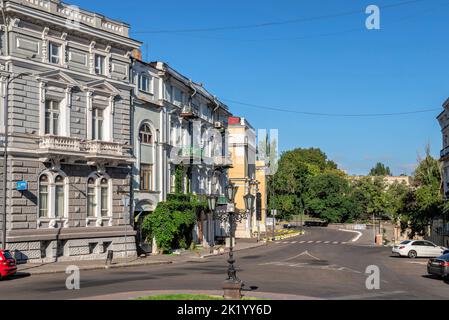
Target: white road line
(294, 242)
(302, 242)
(423, 263)
(335, 242)
(359, 234)
(310, 241)
(368, 295)
(327, 242)
(318, 241)
(305, 253)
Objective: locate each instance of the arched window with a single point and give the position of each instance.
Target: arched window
(104, 190)
(43, 197)
(145, 134)
(91, 198)
(59, 197)
(98, 196)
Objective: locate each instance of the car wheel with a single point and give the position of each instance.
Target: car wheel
(412, 254)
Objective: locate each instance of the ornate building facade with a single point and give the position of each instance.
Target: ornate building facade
(66, 88)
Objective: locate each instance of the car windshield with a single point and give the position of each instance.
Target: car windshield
(405, 242)
(7, 255)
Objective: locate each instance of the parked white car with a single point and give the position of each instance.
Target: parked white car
(418, 248)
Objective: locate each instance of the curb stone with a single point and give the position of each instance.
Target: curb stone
(97, 267)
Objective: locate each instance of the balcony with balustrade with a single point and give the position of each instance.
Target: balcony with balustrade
(62, 146)
(190, 155)
(105, 150)
(222, 161)
(69, 147)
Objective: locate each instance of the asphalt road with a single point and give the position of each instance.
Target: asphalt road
(324, 263)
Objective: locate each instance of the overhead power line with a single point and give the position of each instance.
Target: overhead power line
(323, 114)
(274, 23)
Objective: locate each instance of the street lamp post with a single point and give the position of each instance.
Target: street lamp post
(212, 204)
(5, 153)
(233, 285)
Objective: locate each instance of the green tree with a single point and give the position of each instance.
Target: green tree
(171, 224)
(425, 202)
(288, 185)
(380, 170)
(327, 197)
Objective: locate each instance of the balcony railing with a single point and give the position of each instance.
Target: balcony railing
(189, 112)
(222, 161)
(56, 144)
(105, 148)
(77, 16)
(60, 143)
(190, 152)
(445, 152)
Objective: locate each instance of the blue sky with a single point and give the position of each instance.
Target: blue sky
(327, 65)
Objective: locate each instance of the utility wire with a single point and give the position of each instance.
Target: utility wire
(314, 36)
(321, 114)
(274, 23)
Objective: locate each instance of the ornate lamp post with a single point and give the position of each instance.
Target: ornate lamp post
(249, 205)
(233, 285)
(212, 205)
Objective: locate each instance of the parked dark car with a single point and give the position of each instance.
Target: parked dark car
(316, 223)
(439, 266)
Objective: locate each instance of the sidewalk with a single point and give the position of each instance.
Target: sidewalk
(218, 293)
(185, 256)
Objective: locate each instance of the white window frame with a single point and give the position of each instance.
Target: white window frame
(98, 206)
(52, 44)
(51, 198)
(52, 112)
(174, 101)
(108, 115)
(149, 85)
(100, 70)
(65, 101)
(95, 122)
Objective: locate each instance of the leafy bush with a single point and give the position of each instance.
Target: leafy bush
(172, 222)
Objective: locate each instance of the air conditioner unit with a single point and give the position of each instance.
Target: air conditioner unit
(218, 125)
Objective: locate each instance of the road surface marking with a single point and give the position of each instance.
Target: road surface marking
(359, 234)
(305, 253)
(423, 263)
(301, 241)
(327, 242)
(335, 242)
(310, 241)
(368, 295)
(318, 241)
(294, 242)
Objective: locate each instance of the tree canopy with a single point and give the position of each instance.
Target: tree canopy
(308, 182)
(380, 170)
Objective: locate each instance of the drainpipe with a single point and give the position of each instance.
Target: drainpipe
(131, 173)
(192, 140)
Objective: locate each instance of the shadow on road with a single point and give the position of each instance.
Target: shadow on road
(434, 277)
(18, 275)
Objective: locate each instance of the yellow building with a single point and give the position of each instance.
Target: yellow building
(247, 174)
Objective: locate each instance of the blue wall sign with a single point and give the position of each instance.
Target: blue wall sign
(22, 186)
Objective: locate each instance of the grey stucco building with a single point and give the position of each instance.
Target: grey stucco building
(65, 78)
(177, 124)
